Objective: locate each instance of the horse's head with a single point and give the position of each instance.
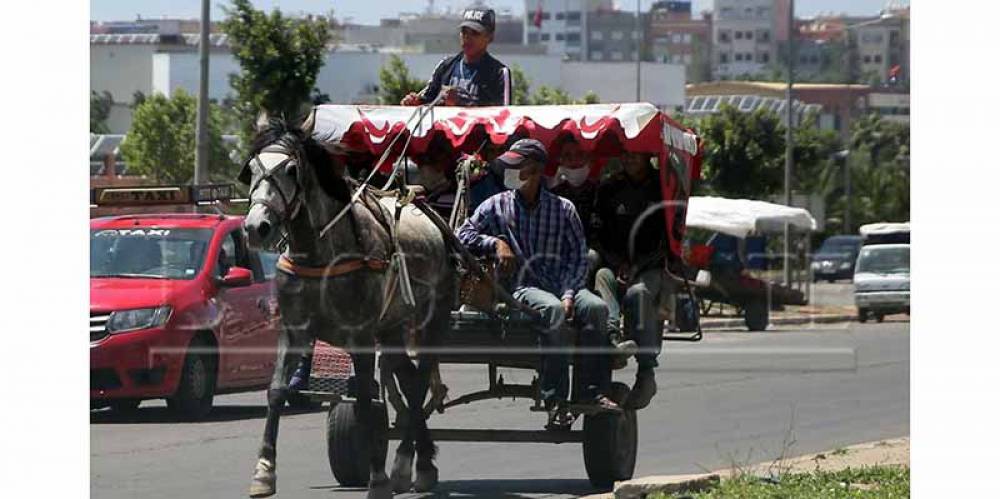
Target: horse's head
(275, 173)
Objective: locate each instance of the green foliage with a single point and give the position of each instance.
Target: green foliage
(813, 152)
(280, 58)
(546, 95)
(880, 172)
(874, 482)
(743, 153)
(521, 86)
(395, 81)
(100, 110)
(161, 142)
(137, 99)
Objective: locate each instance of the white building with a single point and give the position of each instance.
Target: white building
(743, 37)
(563, 26)
(123, 66)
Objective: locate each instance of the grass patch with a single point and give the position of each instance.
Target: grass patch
(881, 482)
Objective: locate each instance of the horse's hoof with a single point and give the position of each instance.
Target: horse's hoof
(402, 473)
(427, 479)
(265, 480)
(380, 489)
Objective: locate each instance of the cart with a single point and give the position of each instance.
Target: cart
(498, 336)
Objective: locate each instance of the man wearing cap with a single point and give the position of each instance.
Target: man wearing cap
(538, 238)
(472, 77)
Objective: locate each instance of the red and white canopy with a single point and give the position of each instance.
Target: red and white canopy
(600, 128)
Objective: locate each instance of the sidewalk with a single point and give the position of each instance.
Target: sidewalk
(791, 316)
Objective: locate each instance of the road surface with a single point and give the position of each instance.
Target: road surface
(735, 397)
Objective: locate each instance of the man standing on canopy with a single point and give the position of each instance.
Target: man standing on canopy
(473, 77)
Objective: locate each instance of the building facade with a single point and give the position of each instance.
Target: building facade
(561, 25)
(613, 35)
(883, 47)
(674, 36)
(743, 37)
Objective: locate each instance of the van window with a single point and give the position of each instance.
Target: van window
(884, 260)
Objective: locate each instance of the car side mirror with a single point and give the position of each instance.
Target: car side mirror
(237, 277)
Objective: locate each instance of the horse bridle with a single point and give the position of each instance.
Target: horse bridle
(267, 175)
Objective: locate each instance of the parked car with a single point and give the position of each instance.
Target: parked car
(179, 309)
(835, 258)
(882, 281)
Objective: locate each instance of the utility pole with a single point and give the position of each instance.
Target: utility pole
(789, 146)
(638, 52)
(201, 149)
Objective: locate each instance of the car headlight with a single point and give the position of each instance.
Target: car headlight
(815, 265)
(845, 265)
(140, 318)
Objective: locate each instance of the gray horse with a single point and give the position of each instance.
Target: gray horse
(342, 288)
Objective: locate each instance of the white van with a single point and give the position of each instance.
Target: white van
(882, 281)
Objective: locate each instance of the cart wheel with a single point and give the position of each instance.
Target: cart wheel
(755, 314)
(610, 443)
(346, 448)
(862, 315)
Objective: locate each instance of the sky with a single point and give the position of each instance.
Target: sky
(369, 11)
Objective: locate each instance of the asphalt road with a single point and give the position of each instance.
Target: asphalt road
(735, 397)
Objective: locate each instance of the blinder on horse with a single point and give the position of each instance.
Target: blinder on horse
(255, 167)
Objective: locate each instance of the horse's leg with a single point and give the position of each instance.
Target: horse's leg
(371, 427)
(428, 366)
(290, 346)
(402, 466)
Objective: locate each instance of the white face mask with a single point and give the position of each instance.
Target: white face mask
(512, 179)
(575, 176)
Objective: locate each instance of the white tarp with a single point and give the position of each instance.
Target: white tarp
(743, 217)
(884, 228)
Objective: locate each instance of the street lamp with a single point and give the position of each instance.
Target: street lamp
(789, 146)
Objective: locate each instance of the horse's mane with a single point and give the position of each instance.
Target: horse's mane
(278, 132)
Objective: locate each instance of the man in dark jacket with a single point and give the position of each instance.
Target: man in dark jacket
(472, 77)
(632, 242)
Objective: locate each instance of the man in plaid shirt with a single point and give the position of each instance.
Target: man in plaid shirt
(538, 237)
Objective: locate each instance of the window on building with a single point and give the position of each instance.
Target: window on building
(738, 35)
(723, 59)
(560, 16)
(545, 37)
(867, 59)
(763, 12)
(764, 36)
(597, 35)
(686, 38)
(617, 35)
(532, 38)
(559, 37)
(723, 37)
(675, 38)
(738, 57)
(749, 35)
(597, 56)
(617, 56)
(725, 12)
(573, 39)
(877, 59)
(546, 16)
(764, 57)
(814, 59)
(573, 16)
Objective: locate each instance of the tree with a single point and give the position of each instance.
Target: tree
(546, 95)
(280, 58)
(395, 82)
(880, 171)
(521, 86)
(744, 153)
(100, 110)
(161, 142)
(137, 99)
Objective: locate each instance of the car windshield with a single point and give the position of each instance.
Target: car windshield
(148, 252)
(885, 260)
(835, 247)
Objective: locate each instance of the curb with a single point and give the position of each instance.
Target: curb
(639, 488)
(779, 321)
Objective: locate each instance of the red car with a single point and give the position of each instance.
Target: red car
(179, 309)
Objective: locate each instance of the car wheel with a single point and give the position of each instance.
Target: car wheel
(756, 315)
(862, 315)
(193, 399)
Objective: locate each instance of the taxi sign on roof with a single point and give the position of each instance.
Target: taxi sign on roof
(161, 195)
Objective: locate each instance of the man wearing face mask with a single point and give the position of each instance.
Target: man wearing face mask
(572, 182)
(538, 237)
(632, 240)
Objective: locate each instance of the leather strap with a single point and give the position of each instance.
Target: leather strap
(377, 264)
